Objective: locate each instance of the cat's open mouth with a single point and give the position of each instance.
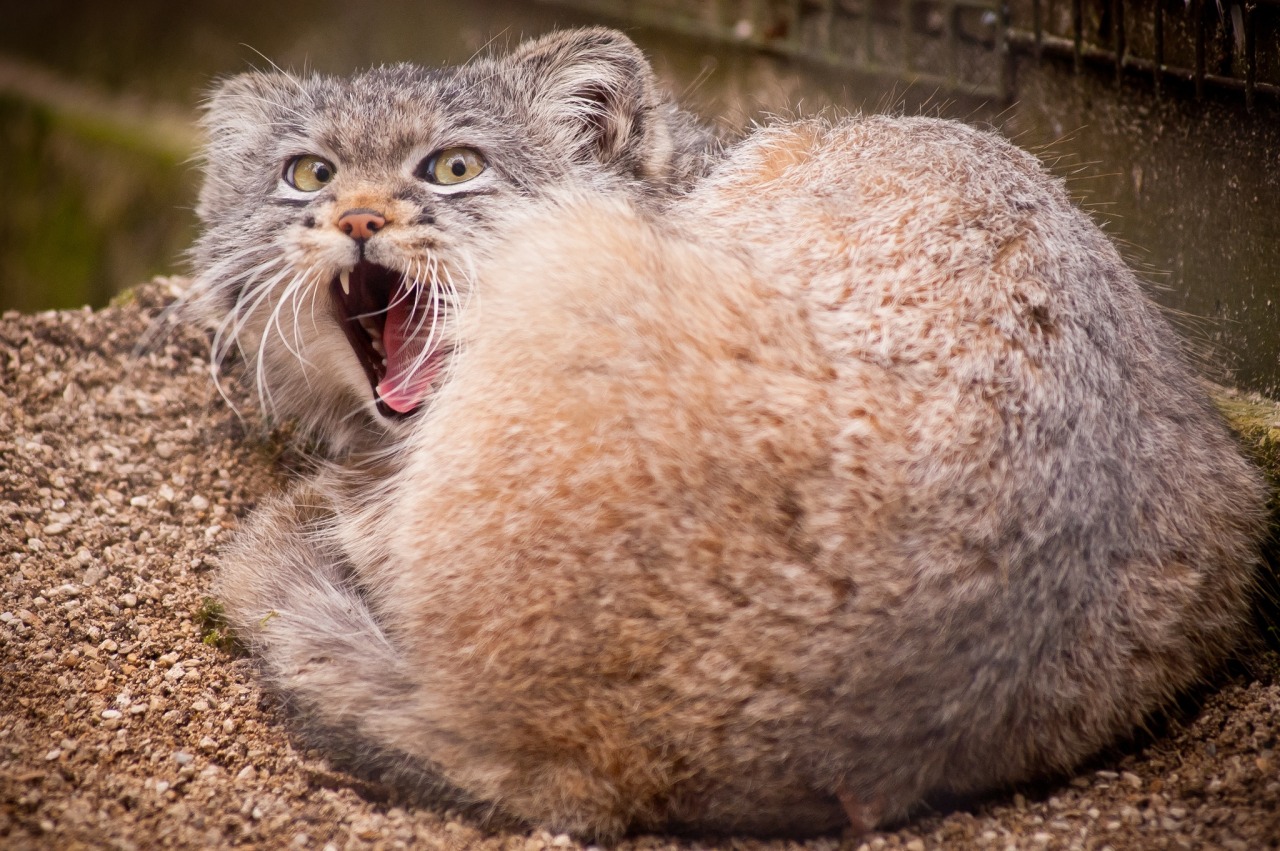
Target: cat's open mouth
(393, 325)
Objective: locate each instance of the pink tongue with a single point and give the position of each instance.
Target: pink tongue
(400, 388)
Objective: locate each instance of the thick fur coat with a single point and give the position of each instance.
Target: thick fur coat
(854, 473)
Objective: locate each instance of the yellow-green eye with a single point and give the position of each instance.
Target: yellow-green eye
(309, 173)
(454, 165)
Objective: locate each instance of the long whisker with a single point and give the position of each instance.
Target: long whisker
(457, 305)
(232, 328)
(420, 289)
(206, 286)
(227, 330)
(265, 398)
(403, 291)
(238, 313)
(290, 295)
(468, 300)
(315, 294)
(243, 309)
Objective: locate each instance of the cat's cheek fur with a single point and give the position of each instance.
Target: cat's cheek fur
(309, 366)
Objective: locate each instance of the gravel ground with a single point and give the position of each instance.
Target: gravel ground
(120, 727)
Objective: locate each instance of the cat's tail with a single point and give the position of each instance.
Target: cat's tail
(289, 597)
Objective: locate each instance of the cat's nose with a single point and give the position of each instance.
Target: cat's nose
(361, 223)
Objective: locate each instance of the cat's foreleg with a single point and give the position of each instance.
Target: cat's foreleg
(290, 596)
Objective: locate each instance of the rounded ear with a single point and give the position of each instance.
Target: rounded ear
(240, 117)
(247, 101)
(595, 92)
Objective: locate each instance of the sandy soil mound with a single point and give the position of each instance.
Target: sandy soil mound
(120, 727)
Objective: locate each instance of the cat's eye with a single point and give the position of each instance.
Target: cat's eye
(453, 165)
(308, 173)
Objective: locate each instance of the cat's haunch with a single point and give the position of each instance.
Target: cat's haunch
(763, 490)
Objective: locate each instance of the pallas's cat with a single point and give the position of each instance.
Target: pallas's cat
(669, 489)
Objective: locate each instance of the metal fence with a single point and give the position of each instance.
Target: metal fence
(1207, 47)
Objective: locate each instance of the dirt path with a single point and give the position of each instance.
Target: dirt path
(119, 728)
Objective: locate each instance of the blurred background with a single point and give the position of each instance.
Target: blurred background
(1164, 115)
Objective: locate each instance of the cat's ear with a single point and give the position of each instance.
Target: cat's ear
(594, 93)
(247, 100)
(240, 116)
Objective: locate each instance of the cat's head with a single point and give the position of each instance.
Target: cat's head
(344, 217)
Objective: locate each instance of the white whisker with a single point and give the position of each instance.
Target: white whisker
(222, 340)
(290, 295)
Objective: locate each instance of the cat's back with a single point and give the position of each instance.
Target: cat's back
(916, 235)
(943, 266)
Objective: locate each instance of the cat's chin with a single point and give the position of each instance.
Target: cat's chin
(393, 327)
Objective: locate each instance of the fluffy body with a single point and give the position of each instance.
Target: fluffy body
(863, 474)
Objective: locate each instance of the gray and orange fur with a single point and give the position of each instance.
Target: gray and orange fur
(762, 492)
